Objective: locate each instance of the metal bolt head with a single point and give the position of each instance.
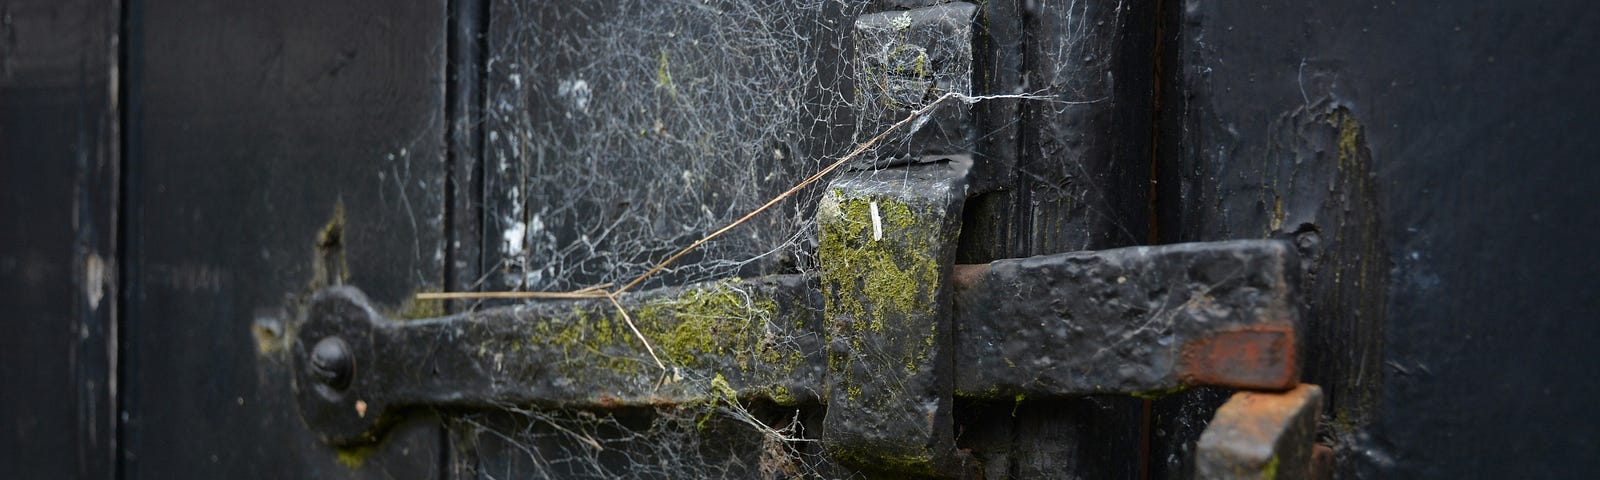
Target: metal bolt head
(332, 364)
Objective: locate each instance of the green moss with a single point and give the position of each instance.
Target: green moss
(900, 465)
(587, 340)
(268, 338)
(721, 391)
(782, 396)
(711, 326)
(663, 72)
(882, 279)
(993, 393)
(1277, 214)
(413, 309)
(717, 321)
(332, 233)
(664, 76)
(330, 267)
(1271, 470)
(1349, 137)
(356, 456)
(877, 273)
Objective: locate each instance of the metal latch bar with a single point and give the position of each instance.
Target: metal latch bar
(355, 369)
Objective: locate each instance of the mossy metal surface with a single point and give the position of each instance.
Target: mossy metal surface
(886, 245)
(733, 339)
(726, 336)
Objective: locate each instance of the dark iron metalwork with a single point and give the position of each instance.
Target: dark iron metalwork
(331, 364)
(887, 245)
(905, 59)
(1131, 320)
(764, 338)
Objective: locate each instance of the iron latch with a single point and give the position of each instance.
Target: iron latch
(887, 334)
(888, 331)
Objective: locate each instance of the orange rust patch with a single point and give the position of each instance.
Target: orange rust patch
(1261, 357)
(1262, 435)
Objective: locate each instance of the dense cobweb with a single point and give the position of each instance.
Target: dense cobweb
(619, 132)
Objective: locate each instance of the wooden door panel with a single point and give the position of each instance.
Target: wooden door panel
(274, 147)
(59, 172)
(1417, 155)
(179, 177)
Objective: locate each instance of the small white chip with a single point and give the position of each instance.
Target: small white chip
(877, 223)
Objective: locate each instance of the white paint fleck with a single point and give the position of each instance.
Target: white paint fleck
(94, 280)
(877, 222)
(512, 238)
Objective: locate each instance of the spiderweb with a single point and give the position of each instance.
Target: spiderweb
(617, 133)
(620, 132)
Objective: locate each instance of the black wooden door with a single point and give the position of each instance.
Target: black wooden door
(180, 177)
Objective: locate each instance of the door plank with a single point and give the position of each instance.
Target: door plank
(59, 174)
(266, 138)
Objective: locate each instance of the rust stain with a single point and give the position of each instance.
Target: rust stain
(968, 277)
(1322, 462)
(1257, 416)
(1263, 434)
(1261, 357)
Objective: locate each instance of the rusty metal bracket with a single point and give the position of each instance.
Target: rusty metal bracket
(1262, 435)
